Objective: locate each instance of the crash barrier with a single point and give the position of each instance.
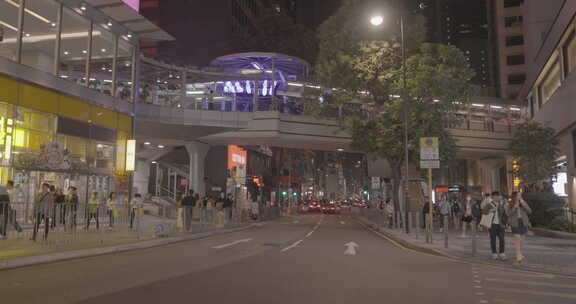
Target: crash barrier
(61, 224)
(443, 225)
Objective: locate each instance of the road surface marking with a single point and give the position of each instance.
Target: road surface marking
(350, 248)
(530, 283)
(523, 274)
(455, 260)
(536, 293)
(309, 233)
(343, 222)
(292, 246)
(232, 244)
(480, 293)
(296, 222)
(502, 301)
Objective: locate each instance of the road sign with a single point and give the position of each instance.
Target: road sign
(429, 164)
(429, 148)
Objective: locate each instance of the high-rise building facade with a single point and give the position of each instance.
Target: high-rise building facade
(464, 24)
(550, 84)
(507, 21)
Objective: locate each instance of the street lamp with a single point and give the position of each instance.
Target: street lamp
(377, 20)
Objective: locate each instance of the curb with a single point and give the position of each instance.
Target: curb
(417, 248)
(84, 253)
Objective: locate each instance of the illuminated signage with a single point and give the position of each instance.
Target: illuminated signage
(130, 154)
(265, 87)
(9, 129)
(236, 156)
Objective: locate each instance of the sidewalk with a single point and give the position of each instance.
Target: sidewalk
(542, 254)
(19, 250)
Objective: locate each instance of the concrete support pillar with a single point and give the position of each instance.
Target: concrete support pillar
(141, 177)
(197, 152)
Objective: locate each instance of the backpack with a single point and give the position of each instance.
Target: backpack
(456, 207)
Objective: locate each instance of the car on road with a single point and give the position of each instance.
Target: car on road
(330, 209)
(314, 207)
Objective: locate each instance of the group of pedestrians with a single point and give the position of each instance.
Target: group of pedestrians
(52, 208)
(211, 209)
(453, 213)
(494, 213)
(498, 213)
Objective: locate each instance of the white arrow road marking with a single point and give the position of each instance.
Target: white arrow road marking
(343, 222)
(292, 246)
(296, 222)
(350, 248)
(232, 244)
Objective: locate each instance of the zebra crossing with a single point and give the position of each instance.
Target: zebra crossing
(509, 286)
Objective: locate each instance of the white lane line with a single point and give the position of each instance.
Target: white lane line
(232, 244)
(307, 236)
(292, 246)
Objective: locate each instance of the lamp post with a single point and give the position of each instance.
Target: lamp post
(377, 20)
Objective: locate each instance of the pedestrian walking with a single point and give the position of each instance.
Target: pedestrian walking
(495, 213)
(59, 208)
(111, 207)
(72, 201)
(467, 216)
(518, 211)
(43, 205)
(136, 208)
(93, 209)
(477, 213)
(444, 208)
(4, 212)
(189, 203)
(10, 207)
(456, 210)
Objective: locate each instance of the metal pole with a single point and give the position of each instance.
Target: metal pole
(405, 107)
(474, 235)
(20, 32)
(88, 56)
(58, 44)
(430, 205)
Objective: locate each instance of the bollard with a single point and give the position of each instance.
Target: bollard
(417, 224)
(445, 233)
(409, 220)
(474, 229)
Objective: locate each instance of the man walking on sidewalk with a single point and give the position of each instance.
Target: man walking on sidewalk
(494, 209)
(189, 203)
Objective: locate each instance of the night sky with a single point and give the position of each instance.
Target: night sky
(203, 32)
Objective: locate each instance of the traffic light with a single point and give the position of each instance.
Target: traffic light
(284, 193)
(295, 193)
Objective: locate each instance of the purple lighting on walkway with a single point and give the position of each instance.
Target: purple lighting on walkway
(134, 4)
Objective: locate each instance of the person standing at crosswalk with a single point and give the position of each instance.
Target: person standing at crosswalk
(494, 209)
(518, 211)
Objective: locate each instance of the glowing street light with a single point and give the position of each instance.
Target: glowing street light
(376, 20)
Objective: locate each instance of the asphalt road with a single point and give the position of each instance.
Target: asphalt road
(293, 260)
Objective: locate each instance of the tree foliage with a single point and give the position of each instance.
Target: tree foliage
(535, 148)
(369, 73)
(275, 31)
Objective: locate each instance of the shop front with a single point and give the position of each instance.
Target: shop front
(68, 143)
